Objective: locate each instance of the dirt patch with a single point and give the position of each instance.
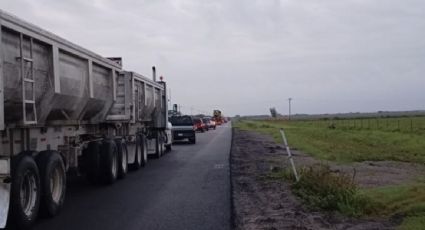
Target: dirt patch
(259, 203)
(368, 174)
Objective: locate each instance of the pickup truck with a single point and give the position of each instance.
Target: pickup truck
(183, 128)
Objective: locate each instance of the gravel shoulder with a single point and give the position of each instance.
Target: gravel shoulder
(259, 203)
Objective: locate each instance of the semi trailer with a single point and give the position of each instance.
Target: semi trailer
(66, 109)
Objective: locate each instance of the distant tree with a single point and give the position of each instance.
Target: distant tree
(273, 112)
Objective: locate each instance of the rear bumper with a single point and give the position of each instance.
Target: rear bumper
(183, 134)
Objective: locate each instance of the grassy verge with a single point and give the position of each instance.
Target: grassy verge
(323, 189)
(320, 188)
(407, 201)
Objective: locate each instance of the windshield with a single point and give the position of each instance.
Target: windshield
(181, 120)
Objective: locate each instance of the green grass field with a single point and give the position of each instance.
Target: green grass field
(356, 140)
(342, 143)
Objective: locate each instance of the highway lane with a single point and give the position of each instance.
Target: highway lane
(188, 188)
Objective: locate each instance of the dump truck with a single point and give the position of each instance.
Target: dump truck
(65, 109)
(217, 117)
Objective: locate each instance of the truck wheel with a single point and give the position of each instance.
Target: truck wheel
(168, 147)
(144, 150)
(192, 140)
(158, 149)
(109, 161)
(53, 182)
(93, 167)
(137, 155)
(122, 158)
(140, 158)
(25, 191)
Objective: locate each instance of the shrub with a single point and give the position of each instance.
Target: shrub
(319, 187)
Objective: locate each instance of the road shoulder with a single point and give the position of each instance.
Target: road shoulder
(260, 203)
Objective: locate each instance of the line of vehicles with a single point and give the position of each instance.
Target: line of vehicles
(184, 127)
(66, 109)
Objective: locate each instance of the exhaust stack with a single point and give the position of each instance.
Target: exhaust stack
(153, 73)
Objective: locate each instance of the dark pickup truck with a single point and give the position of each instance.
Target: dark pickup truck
(183, 128)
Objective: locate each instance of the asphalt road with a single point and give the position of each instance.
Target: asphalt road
(188, 188)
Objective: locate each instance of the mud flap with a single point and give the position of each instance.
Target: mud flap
(4, 202)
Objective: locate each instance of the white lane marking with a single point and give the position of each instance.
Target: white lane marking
(218, 166)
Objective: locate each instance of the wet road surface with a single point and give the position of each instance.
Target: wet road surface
(187, 188)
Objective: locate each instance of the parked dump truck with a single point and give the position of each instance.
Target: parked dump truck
(66, 109)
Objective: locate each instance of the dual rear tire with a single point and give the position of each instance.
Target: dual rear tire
(106, 161)
(37, 186)
(25, 191)
(140, 152)
(122, 158)
(159, 146)
(53, 182)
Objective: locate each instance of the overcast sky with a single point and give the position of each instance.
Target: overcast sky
(245, 56)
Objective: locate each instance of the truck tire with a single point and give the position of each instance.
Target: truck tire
(108, 161)
(166, 145)
(158, 147)
(53, 182)
(122, 158)
(192, 140)
(140, 158)
(92, 153)
(144, 150)
(25, 191)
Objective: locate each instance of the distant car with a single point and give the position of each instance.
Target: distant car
(208, 122)
(182, 128)
(169, 136)
(199, 124)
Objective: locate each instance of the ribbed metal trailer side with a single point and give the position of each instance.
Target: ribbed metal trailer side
(64, 108)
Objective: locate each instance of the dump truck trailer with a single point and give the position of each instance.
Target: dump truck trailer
(66, 109)
(217, 117)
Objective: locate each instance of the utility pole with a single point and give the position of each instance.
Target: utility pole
(289, 101)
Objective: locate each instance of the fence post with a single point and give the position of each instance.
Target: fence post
(288, 150)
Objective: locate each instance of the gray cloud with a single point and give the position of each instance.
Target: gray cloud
(246, 56)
